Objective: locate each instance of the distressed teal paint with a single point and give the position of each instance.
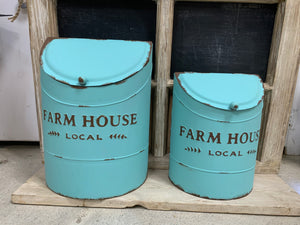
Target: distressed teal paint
(214, 133)
(95, 113)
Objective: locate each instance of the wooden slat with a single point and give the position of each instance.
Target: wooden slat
(170, 83)
(42, 24)
(284, 82)
(235, 1)
(268, 87)
(276, 38)
(261, 167)
(266, 168)
(158, 163)
(164, 30)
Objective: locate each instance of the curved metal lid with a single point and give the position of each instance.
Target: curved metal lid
(223, 91)
(88, 62)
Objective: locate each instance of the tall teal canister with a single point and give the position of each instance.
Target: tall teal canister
(95, 114)
(214, 133)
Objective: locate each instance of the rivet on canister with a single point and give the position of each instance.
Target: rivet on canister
(81, 81)
(234, 106)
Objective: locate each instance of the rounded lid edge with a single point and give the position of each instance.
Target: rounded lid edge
(235, 104)
(82, 81)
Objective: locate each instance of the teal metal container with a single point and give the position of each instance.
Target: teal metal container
(214, 133)
(95, 113)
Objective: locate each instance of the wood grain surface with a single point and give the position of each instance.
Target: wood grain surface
(270, 196)
(164, 29)
(285, 71)
(42, 24)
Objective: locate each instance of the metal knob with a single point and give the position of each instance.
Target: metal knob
(81, 81)
(234, 106)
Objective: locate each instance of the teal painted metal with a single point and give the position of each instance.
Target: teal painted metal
(214, 133)
(95, 113)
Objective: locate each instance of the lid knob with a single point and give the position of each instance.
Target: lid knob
(233, 106)
(81, 81)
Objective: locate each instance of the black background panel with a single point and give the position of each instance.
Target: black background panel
(222, 37)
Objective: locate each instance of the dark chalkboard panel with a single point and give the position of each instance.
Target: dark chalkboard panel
(107, 19)
(222, 37)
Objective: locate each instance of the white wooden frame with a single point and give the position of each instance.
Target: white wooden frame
(280, 82)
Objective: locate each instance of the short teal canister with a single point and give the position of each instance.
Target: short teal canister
(95, 113)
(214, 133)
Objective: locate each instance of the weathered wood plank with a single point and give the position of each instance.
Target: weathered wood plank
(278, 24)
(42, 24)
(270, 196)
(276, 38)
(164, 29)
(266, 168)
(284, 81)
(158, 163)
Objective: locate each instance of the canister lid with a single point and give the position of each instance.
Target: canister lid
(91, 62)
(223, 90)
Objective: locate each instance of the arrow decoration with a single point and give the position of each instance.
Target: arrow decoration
(251, 152)
(192, 149)
(117, 136)
(53, 133)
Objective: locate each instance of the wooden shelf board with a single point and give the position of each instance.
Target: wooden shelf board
(270, 196)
